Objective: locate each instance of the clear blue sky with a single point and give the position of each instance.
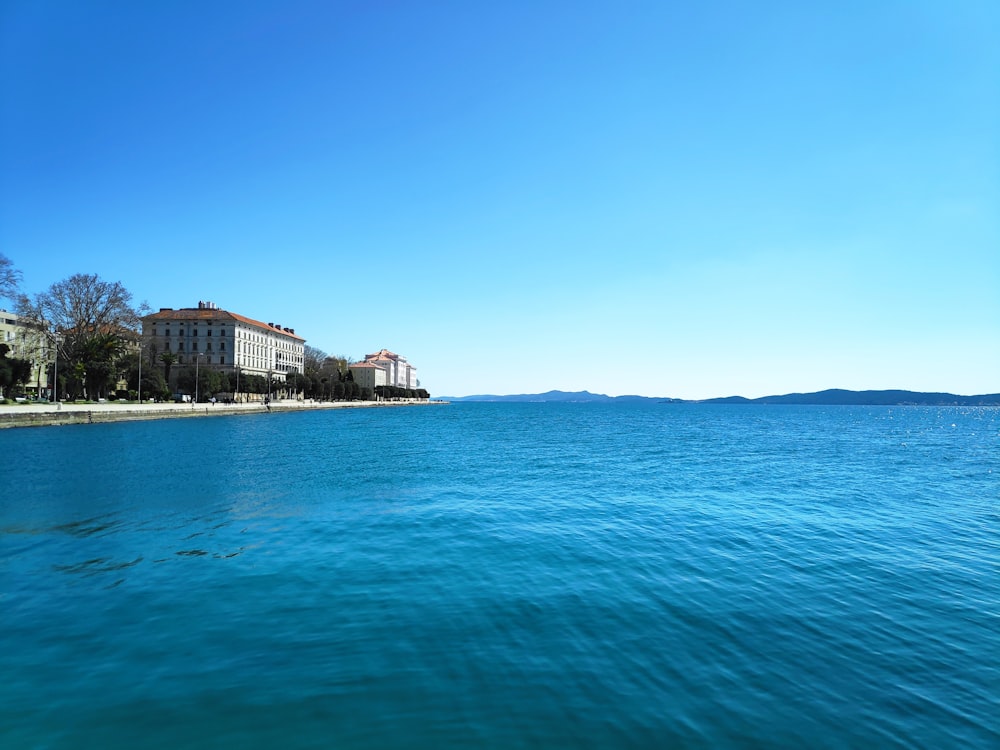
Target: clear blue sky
(663, 198)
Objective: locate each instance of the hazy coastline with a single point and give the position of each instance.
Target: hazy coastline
(830, 397)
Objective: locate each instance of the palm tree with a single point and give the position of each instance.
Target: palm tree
(98, 355)
(169, 359)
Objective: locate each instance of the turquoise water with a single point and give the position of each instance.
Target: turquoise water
(505, 575)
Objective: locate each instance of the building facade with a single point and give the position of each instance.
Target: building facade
(399, 372)
(223, 340)
(368, 375)
(28, 342)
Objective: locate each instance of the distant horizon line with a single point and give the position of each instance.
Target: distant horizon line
(829, 395)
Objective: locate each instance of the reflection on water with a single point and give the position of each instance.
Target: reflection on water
(96, 565)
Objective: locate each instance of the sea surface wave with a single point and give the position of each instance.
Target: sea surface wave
(505, 575)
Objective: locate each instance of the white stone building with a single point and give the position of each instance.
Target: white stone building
(399, 372)
(223, 340)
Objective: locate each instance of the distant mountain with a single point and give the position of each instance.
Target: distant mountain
(836, 396)
(576, 397)
(831, 397)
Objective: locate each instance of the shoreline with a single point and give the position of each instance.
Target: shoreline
(53, 415)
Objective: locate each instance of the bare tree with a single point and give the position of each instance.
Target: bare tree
(83, 304)
(10, 277)
(313, 359)
(90, 321)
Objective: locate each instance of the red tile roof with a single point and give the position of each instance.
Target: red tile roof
(192, 313)
(384, 354)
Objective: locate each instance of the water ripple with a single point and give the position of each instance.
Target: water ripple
(509, 575)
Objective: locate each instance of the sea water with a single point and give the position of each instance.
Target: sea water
(505, 575)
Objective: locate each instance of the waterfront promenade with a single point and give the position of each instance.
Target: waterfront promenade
(43, 414)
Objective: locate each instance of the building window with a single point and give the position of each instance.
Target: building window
(180, 346)
(194, 346)
(209, 332)
(209, 347)
(194, 332)
(222, 346)
(166, 347)
(222, 360)
(166, 333)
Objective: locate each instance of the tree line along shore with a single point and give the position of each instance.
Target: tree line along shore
(80, 338)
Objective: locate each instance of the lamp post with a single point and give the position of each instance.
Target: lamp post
(55, 373)
(197, 359)
(140, 371)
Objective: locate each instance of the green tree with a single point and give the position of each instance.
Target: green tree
(75, 380)
(253, 384)
(216, 382)
(316, 383)
(14, 372)
(169, 359)
(101, 355)
(186, 380)
(6, 375)
(299, 383)
(209, 383)
(154, 385)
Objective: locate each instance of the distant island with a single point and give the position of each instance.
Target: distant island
(832, 397)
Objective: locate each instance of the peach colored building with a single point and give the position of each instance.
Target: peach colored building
(399, 372)
(369, 375)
